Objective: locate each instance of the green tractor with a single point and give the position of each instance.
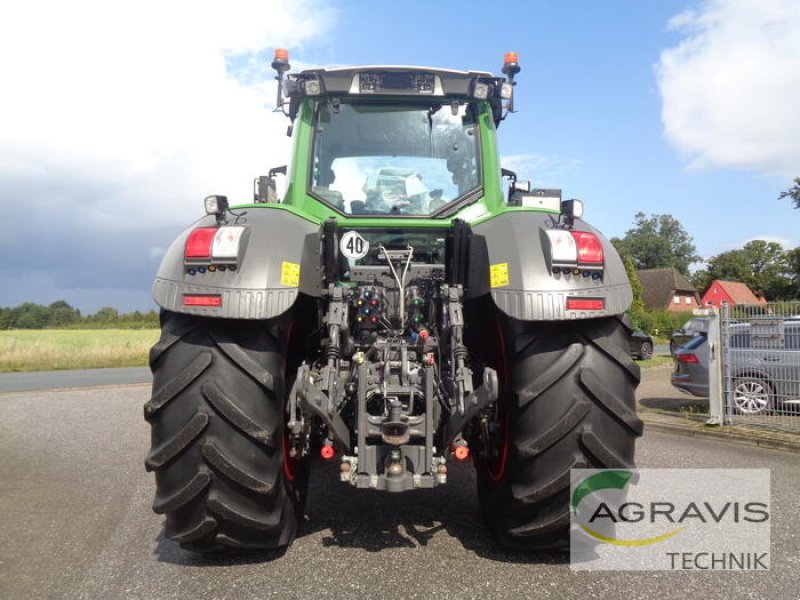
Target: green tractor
(399, 308)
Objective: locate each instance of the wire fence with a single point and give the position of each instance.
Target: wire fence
(761, 365)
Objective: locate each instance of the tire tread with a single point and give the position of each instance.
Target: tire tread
(215, 414)
(572, 405)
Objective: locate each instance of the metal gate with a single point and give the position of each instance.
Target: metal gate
(761, 365)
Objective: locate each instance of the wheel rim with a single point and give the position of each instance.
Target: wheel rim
(751, 396)
(496, 466)
(647, 350)
(290, 465)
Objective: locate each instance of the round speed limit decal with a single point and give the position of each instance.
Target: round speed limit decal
(353, 246)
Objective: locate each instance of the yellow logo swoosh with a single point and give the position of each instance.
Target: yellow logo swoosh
(643, 542)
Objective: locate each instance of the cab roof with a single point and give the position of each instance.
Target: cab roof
(393, 80)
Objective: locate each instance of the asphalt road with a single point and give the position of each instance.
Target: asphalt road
(49, 380)
(75, 522)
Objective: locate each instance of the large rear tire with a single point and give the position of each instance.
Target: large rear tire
(218, 448)
(568, 403)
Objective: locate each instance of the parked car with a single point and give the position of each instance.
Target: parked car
(692, 328)
(764, 366)
(690, 371)
(641, 345)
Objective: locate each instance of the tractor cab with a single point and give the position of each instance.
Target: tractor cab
(393, 141)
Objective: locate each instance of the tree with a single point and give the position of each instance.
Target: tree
(105, 315)
(701, 279)
(793, 272)
(656, 242)
(6, 318)
(62, 314)
(636, 311)
(793, 193)
(31, 316)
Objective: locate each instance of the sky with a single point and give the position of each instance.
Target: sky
(117, 118)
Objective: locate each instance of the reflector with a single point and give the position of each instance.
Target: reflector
(226, 242)
(461, 452)
(586, 304)
(202, 300)
(563, 247)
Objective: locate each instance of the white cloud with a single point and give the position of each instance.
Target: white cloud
(785, 242)
(136, 96)
(542, 170)
(730, 86)
(121, 116)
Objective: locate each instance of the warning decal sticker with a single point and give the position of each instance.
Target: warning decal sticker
(498, 275)
(290, 274)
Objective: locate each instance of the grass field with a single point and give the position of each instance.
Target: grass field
(658, 360)
(57, 349)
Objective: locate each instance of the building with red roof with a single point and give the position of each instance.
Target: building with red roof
(731, 293)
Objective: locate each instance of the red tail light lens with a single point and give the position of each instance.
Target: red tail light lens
(687, 358)
(586, 304)
(198, 244)
(590, 250)
(202, 300)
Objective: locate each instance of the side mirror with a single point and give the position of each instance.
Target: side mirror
(521, 186)
(516, 190)
(265, 190)
(277, 171)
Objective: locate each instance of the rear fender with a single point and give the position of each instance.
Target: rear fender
(522, 281)
(278, 259)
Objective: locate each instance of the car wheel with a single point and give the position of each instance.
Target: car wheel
(751, 395)
(646, 351)
(672, 347)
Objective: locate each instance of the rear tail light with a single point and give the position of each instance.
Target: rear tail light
(590, 250)
(198, 244)
(214, 242)
(687, 358)
(575, 250)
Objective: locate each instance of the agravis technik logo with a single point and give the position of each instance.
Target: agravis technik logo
(670, 519)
